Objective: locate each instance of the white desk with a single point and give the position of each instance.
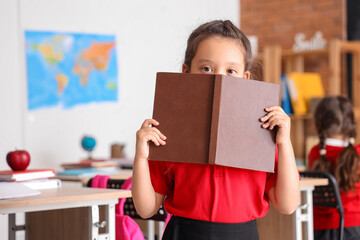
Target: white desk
(69, 197)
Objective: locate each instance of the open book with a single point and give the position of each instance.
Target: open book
(214, 119)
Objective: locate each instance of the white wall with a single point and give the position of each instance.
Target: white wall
(151, 37)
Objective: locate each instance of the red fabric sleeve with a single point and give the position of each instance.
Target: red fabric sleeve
(161, 177)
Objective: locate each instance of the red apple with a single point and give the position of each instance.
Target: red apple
(18, 160)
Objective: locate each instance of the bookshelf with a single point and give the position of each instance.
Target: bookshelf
(277, 61)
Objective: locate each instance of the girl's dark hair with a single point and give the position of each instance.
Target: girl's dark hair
(335, 116)
(224, 29)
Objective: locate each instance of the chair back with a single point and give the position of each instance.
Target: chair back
(129, 208)
(327, 196)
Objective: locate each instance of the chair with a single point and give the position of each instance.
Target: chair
(129, 209)
(327, 196)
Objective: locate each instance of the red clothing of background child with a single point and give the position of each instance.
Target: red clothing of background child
(328, 218)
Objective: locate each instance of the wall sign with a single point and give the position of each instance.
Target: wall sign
(315, 43)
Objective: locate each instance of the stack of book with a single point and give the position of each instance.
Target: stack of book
(90, 163)
(88, 168)
(36, 179)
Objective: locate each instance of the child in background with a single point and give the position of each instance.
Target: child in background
(337, 154)
(210, 201)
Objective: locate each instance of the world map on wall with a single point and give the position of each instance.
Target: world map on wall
(69, 69)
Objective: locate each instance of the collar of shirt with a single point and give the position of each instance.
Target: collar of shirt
(336, 142)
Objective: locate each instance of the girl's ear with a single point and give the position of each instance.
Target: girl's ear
(185, 68)
(247, 75)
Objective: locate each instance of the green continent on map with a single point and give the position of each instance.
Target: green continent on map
(52, 51)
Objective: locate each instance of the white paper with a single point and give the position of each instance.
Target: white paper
(14, 189)
(47, 183)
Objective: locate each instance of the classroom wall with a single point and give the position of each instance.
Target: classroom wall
(151, 37)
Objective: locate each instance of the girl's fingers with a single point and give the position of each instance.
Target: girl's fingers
(157, 131)
(152, 134)
(274, 120)
(269, 109)
(159, 136)
(149, 122)
(154, 140)
(272, 111)
(146, 126)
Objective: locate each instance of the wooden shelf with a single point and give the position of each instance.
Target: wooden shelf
(277, 61)
(301, 117)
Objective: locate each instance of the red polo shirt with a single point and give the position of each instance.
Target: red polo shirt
(328, 218)
(212, 192)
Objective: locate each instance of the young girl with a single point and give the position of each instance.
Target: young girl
(210, 201)
(337, 154)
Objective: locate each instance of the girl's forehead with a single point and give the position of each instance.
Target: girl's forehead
(220, 48)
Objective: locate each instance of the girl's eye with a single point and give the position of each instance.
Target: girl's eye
(206, 69)
(232, 71)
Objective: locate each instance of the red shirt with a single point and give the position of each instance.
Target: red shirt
(328, 218)
(212, 192)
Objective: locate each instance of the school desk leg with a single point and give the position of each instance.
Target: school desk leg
(161, 226)
(151, 229)
(12, 227)
(304, 213)
(110, 218)
(108, 223)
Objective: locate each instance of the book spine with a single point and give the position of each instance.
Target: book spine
(215, 119)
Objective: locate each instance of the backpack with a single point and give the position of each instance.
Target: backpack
(125, 227)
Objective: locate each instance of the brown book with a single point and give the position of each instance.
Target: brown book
(214, 119)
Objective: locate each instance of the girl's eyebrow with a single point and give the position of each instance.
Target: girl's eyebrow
(205, 61)
(210, 61)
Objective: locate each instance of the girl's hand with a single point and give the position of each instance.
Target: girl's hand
(145, 134)
(277, 117)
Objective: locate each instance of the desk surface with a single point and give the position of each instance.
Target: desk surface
(314, 182)
(64, 197)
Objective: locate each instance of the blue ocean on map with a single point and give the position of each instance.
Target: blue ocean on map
(69, 69)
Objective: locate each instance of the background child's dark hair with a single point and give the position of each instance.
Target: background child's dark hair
(223, 28)
(335, 116)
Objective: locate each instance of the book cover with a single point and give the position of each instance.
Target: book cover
(26, 175)
(285, 97)
(214, 119)
(303, 87)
